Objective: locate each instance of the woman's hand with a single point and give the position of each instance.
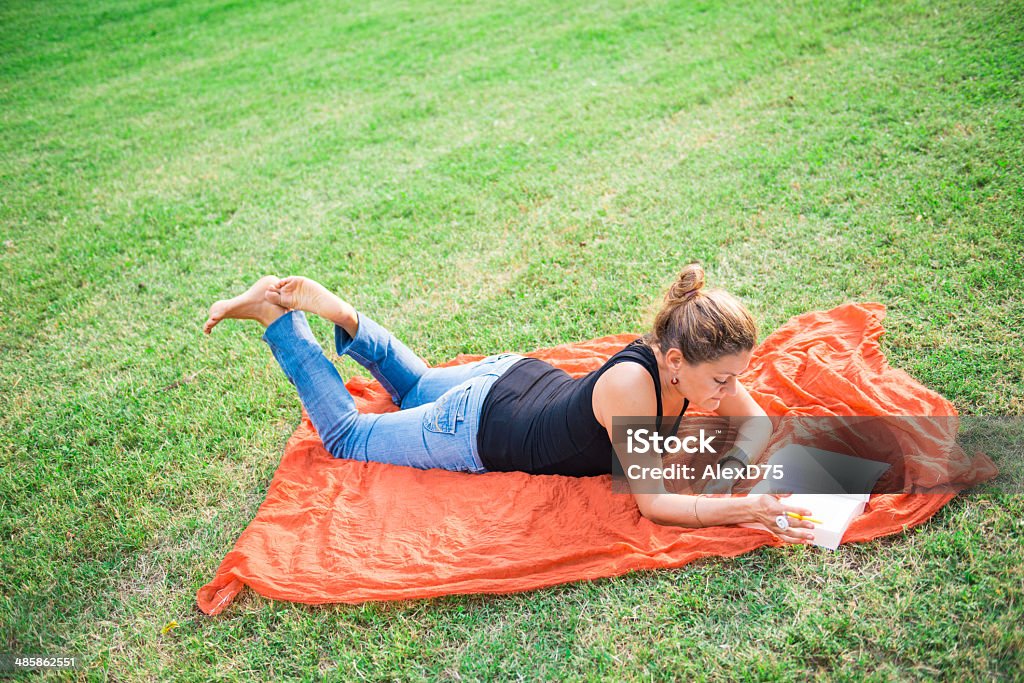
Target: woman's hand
(768, 506)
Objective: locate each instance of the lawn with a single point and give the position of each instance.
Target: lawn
(485, 177)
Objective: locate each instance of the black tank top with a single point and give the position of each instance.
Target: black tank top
(538, 419)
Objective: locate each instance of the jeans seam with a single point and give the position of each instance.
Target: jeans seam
(374, 369)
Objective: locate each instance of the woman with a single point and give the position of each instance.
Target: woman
(507, 412)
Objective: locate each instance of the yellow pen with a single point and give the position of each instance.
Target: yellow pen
(806, 519)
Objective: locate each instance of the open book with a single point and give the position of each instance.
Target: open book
(835, 487)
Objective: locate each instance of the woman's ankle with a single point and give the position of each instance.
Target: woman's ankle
(342, 314)
(351, 325)
(270, 313)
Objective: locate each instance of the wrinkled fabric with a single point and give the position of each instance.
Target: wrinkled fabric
(334, 530)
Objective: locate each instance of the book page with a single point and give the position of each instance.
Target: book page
(834, 486)
(835, 512)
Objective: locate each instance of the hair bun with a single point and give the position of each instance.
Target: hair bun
(703, 323)
(690, 281)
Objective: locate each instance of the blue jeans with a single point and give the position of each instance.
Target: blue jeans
(439, 419)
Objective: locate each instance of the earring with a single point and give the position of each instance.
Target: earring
(675, 380)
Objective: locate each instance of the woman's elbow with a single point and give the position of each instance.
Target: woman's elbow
(647, 503)
(665, 509)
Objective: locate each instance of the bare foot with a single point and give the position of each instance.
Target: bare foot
(251, 305)
(301, 293)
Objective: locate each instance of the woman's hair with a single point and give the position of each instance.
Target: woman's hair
(705, 324)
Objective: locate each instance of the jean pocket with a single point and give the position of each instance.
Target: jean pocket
(447, 411)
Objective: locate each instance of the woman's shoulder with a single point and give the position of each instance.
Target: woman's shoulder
(637, 352)
(628, 371)
(626, 388)
(642, 344)
(633, 361)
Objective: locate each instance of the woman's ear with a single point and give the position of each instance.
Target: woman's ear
(674, 359)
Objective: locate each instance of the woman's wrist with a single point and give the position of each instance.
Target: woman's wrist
(735, 457)
(750, 504)
(711, 510)
(745, 508)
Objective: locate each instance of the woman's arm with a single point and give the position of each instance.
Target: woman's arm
(628, 389)
(700, 511)
(673, 509)
(756, 430)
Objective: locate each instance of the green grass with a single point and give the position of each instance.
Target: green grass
(486, 177)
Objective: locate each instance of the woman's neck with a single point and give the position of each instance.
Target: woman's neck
(671, 399)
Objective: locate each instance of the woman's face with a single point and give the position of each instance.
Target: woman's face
(706, 384)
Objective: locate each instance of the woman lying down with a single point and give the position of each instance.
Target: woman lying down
(508, 412)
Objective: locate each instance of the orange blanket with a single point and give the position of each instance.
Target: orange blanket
(341, 531)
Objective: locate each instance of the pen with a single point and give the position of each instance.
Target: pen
(806, 519)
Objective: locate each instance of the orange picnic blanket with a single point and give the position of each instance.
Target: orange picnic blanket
(334, 530)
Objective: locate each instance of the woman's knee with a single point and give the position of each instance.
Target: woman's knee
(412, 398)
(337, 439)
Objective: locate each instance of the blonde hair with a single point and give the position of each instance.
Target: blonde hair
(705, 324)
